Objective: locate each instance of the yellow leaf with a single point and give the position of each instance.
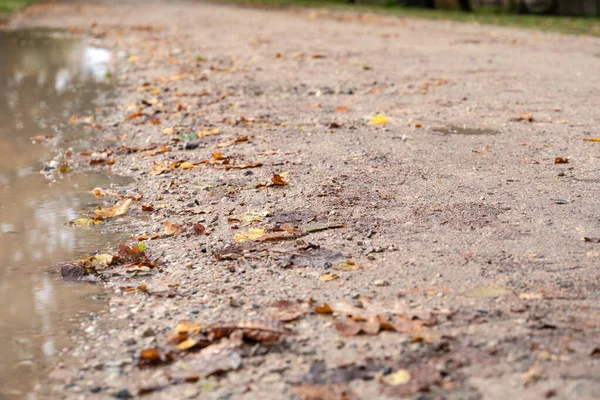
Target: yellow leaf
(114, 211)
(188, 327)
(400, 377)
(328, 277)
(592, 139)
(489, 291)
(208, 132)
(64, 169)
(133, 58)
(379, 119)
(186, 165)
(85, 222)
(97, 262)
(186, 344)
(250, 234)
(168, 131)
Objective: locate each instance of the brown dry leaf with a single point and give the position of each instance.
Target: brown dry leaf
(316, 55)
(350, 327)
(147, 207)
(277, 180)
(218, 156)
(561, 160)
(341, 109)
(136, 114)
(131, 254)
(263, 331)
(325, 392)
(220, 357)
(141, 238)
(114, 211)
(286, 311)
(160, 150)
(523, 117)
(198, 229)
(329, 277)
(149, 356)
(172, 229)
(231, 142)
(249, 165)
(323, 309)
(159, 168)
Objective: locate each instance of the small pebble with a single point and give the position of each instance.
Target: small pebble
(123, 394)
(381, 282)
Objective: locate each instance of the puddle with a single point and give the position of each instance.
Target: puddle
(43, 80)
(463, 130)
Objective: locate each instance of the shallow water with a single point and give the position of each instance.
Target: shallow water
(44, 79)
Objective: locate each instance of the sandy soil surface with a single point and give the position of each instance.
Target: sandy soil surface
(439, 255)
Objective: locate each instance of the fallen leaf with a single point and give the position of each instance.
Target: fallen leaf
(149, 153)
(186, 165)
(263, 331)
(232, 142)
(328, 277)
(168, 131)
(87, 222)
(136, 114)
(204, 133)
(218, 156)
(524, 116)
(286, 311)
(561, 160)
(64, 169)
(418, 125)
(149, 357)
(97, 262)
(132, 59)
(198, 229)
(172, 229)
(250, 234)
(316, 55)
(117, 210)
(146, 237)
(379, 119)
(216, 358)
(595, 139)
(246, 166)
(277, 180)
(131, 254)
(323, 309)
(399, 377)
(341, 109)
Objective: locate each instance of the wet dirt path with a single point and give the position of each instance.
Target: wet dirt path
(437, 251)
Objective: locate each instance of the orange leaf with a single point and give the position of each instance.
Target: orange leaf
(278, 180)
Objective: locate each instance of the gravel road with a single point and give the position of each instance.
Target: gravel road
(439, 255)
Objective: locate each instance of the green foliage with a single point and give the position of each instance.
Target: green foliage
(9, 6)
(572, 25)
(141, 246)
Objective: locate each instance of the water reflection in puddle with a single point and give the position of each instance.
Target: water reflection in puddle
(43, 80)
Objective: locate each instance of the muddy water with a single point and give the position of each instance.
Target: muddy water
(44, 79)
